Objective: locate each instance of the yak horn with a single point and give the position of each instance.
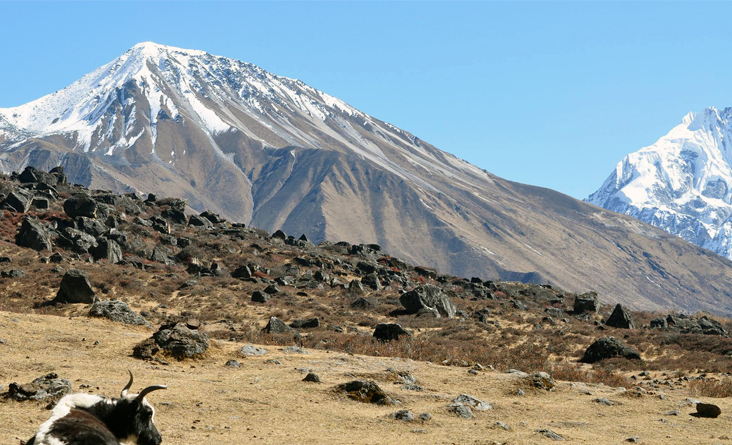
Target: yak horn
(128, 386)
(148, 390)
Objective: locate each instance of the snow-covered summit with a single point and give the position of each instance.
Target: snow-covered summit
(682, 183)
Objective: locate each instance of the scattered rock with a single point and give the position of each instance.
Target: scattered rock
(586, 303)
(708, 410)
(19, 200)
(550, 434)
(250, 350)
(503, 426)
(107, 249)
(390, 331)
(232, 364)
(294, 350)
(402, 414)
(620, 318)
(425, 417)
(272, 289)
(542, 380)
(364, 303)
(463, 411)
(276, 326)
(428, 296)
(306, 324)
(12, 273)
(465, 399)
(75, 288)
(608, 347)
(50, 386)
(34, 235)
(604, 401)
(180, 341)
(80, 205)
(365, 391)
(260, 297)
(118, 311)
(311, 377)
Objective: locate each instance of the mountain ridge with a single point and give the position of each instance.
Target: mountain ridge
(297, 159)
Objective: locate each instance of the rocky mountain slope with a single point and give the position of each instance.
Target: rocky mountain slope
(681, 183)
(275, 153)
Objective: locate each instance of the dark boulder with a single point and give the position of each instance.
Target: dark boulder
(586, 303)
(181, 341)
(76, 240)
(428, 296)
(108, 250)
(19, 200)
(118, 311)
(279, 235)
(75, 288)
(213, 217)
(620, 318)
(276, 326)
(372, 280)
(659, 323)
(364, 303)
(12, 273)
(306, 324)
(91, 226)
(80, 205)
(34, 235)
(199, 221)
(242, 272)
(260, 297)
(40, 203)
(708, 410)
(709, 326)
(48, 387)
(608, 347)
(365, 391)
(390, 331)
(272, 289)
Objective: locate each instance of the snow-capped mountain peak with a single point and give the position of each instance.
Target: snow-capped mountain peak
(682, 183)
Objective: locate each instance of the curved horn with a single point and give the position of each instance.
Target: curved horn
(148, 390)
(128, 386)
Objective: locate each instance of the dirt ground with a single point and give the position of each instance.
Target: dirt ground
(267, 403)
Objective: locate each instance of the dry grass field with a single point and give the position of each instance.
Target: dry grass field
(262, 402)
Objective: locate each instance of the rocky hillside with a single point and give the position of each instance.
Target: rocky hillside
(681, 183)
(274, 153)
(244, 326)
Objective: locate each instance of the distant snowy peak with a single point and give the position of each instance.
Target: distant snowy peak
(170, 75)
(682, 183)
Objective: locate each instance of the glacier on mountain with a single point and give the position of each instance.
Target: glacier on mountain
(682, 183)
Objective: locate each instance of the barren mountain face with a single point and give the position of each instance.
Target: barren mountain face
(275, 153)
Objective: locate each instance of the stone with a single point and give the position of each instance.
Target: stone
(12, 273)
(76, 240)
(34, 235)
(479, 405)
(250, 351)
(306, 324)
(47, 387)
(463, 411)
(403, 414)
(19, 200)
(366, 391)
(708, 410)
(428, 296)
(107, 249)
(425, 417)
(213, 217)
(356, 286)
(372, 280)
(93, 227)
(659, 323)
(242, 272)
(276, 326)
(260, 297)
(604, 401)
(180, 341)
(294, 350)
(608, 347)
(364, 303)
(41, 203)
(550, 434)
(75, 288)
(586, 303)
(542, 380)
(161, 254)
(80, 205)
(311, 377)
(390, 331)
(272, 289)
(118, 311)
(620, 318)
(280, 235)
(199, 221)
(232, 364)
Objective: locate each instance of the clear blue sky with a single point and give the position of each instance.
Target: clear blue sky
(551, 94)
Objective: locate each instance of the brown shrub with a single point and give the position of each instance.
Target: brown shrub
(711, 388)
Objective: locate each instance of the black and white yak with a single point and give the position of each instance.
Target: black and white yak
(88, 419)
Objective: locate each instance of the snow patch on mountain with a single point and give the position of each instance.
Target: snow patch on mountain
(682, 183)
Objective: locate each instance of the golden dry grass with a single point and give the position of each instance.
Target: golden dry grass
(266, 403)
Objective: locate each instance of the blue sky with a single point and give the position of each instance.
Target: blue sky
(550, 94)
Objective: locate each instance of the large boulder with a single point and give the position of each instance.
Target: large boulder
(43, 388)
(19, 200)
(181, 341)
(390, 331)
(608, 347)
(118, 311)
(586, 303)
(76, 240)
(620, 318)
(365, 391)
(75, 288)
(80, 205)
(276, 326)
(428, 297)
(34, 235)
(107, 250)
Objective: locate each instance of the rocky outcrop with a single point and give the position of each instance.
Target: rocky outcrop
(118, 311)
(428, 297)
(608, 347)
(33, 234)
(620, 318)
